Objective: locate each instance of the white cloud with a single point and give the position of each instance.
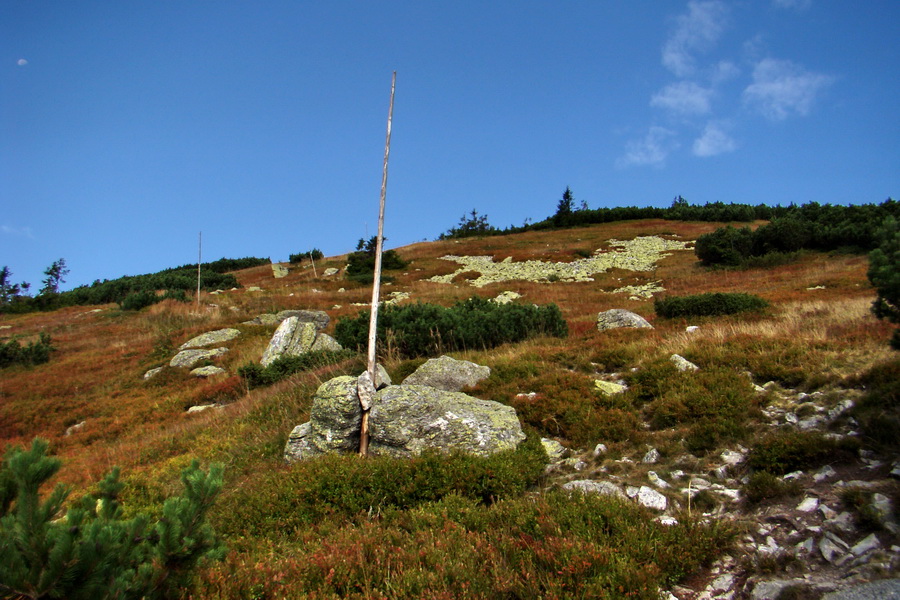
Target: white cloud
(651, 150)
(781, 88)
(23, 231)
(21, 62)
(798, 5)
(724, 71)
(684, 97)
(694, 32)
(714, 140)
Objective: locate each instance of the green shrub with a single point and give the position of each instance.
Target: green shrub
(474, 324)
(884, 274)
(35, 353)
(284, 366)
(92, 551)
(707, 305)
(340, 487)
(314, 254)
(725, 246)
(787, 451)
(763, 486)
(878, 411)
(143, 299)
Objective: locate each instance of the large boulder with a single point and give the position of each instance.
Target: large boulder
(335, 419)
(210, 338)
(292, 338)
(325, 342)
(189, 358)
(406, 420)
(318, 317)
(446, 373)
(619, 317)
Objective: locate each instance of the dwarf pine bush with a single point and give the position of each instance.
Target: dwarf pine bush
(35, 353)
(92, 552)
(707, 305)
(284, 366)
(427, 329)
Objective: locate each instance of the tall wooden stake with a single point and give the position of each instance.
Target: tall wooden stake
(199, 260)
(376, 281)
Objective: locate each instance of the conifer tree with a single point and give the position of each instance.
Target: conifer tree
(884, 273)
(91, 552)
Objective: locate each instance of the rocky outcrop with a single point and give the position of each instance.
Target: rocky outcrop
(683, 364)
(220, 336)
(279, 271)
(406, 420)
(325, 342)
(189, 358)
(506, 297)
(208, 371)
(292, 338)
(318, 317)
(619, 317)
(448, 374)
(334, 422)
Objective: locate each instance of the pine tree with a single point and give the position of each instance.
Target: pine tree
(92, 552)
(884, 273)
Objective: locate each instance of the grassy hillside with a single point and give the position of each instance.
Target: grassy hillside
(818, 333)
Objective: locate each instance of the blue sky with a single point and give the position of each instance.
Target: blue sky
(127, 127)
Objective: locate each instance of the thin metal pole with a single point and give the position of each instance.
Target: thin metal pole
(376, 280)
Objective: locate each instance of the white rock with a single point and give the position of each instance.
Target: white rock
(824, 473)
(770, 547)
(555, 451)
(865, 545)
(722, 583)
(731, 457)
(651, 458)
(827, 513)
(650, 498)
(691, 328)
(809, 504)
(666, 520)
(200, 408)
(805, 547)
(599, 449)
(683, 364)
(595, 487)
(656, 480)
(153, 373)
(792, 476)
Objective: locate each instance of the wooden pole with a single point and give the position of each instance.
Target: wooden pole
(199, 260)
(376, 282)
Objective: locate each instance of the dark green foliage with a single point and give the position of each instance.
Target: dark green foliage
(35, 353)
(878, 412)
(707, 305)
(762, 486)
(812, 226)
(55, 273)
(786, 451)
(470, 225)
(92, 551)
(884, 273)
(344, 487)
(284, 366)
(361, 264)
(143, 299)
(314, 254)
(10, 292)
(427, 329)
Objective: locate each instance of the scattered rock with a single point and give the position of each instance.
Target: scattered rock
(292, 338)
(330, 272)
(279, 271)
(608, 388)
(75, 428)
(599, 449)
(587, 486)
(651, 457)
(619, 317)
(319, 318)
(325, 342)
(506, 297)
(683, 364)
(555, 451)
(210, 338)
(887, 589)
(267, 319)
(200, 408)
(208, 371)
(650, 498)
(189, 358)
(153, 373)
(867, 544)
(446, 373)
(691, 328)
(407, 419)
(334, 422)
(657, 480)
(809, 504)
(254, 288)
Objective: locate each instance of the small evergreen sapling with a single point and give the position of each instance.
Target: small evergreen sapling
(92, 552)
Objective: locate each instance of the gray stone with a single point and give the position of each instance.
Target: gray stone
(809, 504)
(325, 342)
(506, 297)
(200, 408)
(298, 447)
(334, 422)
(619, 317)
(867, 544)
(657, 480)
(587, 486)
(330, 272)
(886, 589)
(189, 358)
(406, 420)
(279, 271)
(263, 319)
(599, 449)
(651, 457)
(555, 451)
(153, 373)
(318, 317)
(446, 373)
(826, 472)
(75, 428)
(211, 338)
(650, 498)
(830, 551)
(770, 590)
(208, 371)
(608, 388)
(683, 364)
(292, 338)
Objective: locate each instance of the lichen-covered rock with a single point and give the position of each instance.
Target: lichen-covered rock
(608, 388)
(318, 317)
(189, 358)
(292, 338)
(325, 342)
(683, 364)
(298, 446)
(406, 420)
(208, 371)
(153, 373)
(586, 486)
(506, 297)
(330, 272)
(619, 317)
(335, 419)
(448, 374)
(263, 319)
(555, 451)
(279, 271)
(220, 336)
